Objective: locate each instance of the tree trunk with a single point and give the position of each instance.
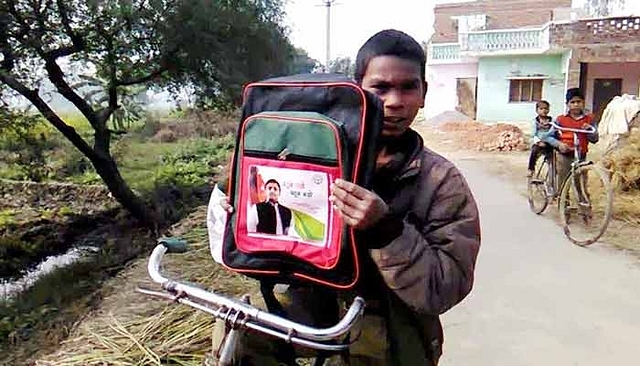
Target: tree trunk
(108, 170)
(98, 155)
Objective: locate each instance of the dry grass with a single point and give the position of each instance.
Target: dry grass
(624, 165)
(207, 124)
(132, 329)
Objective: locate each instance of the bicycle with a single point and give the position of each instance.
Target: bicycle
(585, 210)
(240, 316)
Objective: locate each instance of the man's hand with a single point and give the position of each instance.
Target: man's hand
(587, 126)
(358, 207)
(564, 148)
(224, 203)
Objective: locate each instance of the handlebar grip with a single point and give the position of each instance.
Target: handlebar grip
(174, 245)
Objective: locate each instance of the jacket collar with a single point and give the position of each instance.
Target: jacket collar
(414, 162)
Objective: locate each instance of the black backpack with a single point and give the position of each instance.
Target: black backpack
(297, 135)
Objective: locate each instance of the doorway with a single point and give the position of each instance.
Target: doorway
(467, 89)
(603, 92)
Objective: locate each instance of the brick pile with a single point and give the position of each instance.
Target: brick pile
(484, 137)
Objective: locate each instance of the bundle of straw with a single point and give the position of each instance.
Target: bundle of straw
(624, 166)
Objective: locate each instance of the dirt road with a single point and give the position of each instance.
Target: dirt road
(539, 300)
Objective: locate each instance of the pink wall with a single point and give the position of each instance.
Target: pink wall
(629, 72)
(442, 95)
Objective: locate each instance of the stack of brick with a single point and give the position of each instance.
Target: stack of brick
(488, 137)
(510, 140)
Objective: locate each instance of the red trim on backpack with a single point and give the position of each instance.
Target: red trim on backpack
(354, 173)
(323, 254)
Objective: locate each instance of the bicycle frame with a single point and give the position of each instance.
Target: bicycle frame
(576, 154)
(576, 180)
(239, 314)
(552, 174)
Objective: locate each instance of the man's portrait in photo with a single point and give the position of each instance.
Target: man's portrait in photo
(269, 216)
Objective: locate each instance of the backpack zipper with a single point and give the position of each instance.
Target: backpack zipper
(285, 155)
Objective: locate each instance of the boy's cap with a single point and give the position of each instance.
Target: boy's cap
(574, 92)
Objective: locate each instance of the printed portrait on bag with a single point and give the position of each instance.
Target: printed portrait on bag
(288, 202)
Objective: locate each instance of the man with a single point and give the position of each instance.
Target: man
(269, 217)
(419, 224)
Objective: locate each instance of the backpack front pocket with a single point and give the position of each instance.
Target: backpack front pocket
(287, 162)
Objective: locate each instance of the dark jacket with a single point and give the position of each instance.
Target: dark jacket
(423, 254)
(267, 217)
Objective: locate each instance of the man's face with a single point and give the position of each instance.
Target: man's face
(273, 192)
(398, 83)
(575, 105)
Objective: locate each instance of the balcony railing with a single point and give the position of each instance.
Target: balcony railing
(508, 41)
(443, 52)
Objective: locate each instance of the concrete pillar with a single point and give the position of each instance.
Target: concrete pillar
(573, 77)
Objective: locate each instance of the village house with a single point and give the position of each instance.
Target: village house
(493, 59)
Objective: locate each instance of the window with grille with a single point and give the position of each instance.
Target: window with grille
(525, 90)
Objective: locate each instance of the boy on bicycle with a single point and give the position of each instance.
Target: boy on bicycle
(544, 138)
(576, 118)
(419, 224)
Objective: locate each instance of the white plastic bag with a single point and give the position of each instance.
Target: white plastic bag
(216, 220)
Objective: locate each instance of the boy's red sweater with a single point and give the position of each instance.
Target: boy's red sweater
(566, 137)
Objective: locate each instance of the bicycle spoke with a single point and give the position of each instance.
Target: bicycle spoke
(586, 203)
(538, 190)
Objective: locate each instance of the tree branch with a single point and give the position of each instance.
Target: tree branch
(77, 43)
(143, 79)
(8, 61)
(57, 78)
(62, 52)
(23, 24)
(33, 97)
(76, 39)
(35, 5)
(112, 89)
(102, 135)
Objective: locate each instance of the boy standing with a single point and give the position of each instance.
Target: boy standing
(575, 118)
(543, 136)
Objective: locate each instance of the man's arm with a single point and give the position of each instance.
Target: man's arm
(595, 136)
(430, 265)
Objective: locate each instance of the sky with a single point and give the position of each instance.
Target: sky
(307, 20)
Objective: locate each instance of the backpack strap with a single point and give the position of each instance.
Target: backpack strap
(273, 305)
(286, 352)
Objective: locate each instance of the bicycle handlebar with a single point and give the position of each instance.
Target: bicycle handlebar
(243, 314)
(591, 129)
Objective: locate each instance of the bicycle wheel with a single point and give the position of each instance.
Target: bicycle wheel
(586, 201)
(537, 187)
